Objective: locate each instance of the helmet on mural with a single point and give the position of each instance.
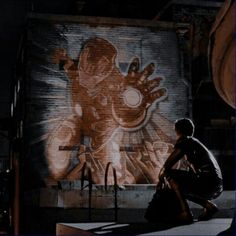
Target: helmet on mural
(97, 58)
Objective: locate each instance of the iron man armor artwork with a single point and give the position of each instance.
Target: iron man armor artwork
(104, 101)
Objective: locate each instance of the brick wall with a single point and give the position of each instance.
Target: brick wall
(98, 91)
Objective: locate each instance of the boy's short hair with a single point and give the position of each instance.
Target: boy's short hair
(184, 126)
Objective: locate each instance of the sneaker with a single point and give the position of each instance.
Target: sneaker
(209, 211)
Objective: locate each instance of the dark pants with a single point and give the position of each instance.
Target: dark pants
(204, 185)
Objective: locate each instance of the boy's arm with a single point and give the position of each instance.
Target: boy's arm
(175, 156)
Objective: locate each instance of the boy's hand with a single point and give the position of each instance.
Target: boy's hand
(162, 174)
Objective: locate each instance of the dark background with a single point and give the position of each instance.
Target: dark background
(214, 119)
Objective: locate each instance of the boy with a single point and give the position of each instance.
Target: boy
(202, 182)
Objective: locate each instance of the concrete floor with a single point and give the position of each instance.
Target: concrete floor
(132, 222)
(211, 227)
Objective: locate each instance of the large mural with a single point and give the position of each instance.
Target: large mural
(101, 95)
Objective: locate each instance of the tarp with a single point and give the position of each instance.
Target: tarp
(222, 53)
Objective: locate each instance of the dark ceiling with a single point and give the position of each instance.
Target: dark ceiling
(13, 15)
(109, 8)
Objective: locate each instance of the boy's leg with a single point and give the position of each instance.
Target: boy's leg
(185, 216)
(209, 208)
